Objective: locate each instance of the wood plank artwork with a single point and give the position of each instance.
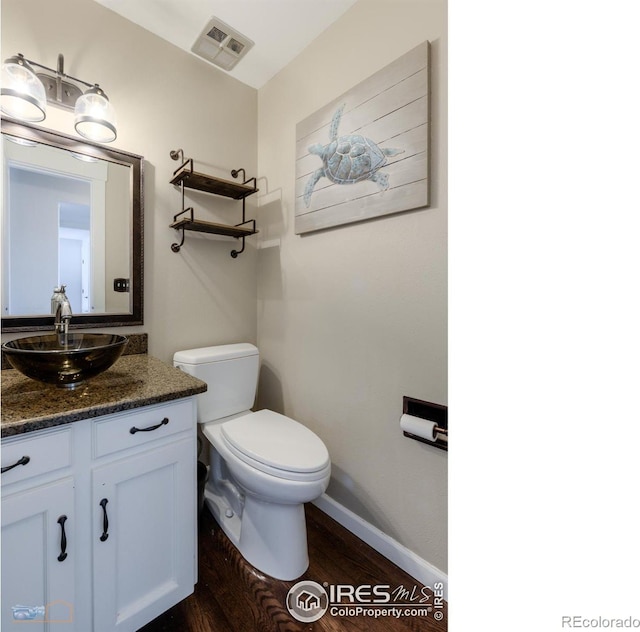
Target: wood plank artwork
(366, 154)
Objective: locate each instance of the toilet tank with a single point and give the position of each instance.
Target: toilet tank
(231, 374)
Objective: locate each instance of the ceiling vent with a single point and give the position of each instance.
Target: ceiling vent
(221, 45)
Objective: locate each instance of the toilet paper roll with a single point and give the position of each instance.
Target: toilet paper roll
(420, 427)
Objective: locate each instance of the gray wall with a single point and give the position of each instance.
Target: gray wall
(353, 318)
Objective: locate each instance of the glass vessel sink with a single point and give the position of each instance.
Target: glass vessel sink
(64, 359)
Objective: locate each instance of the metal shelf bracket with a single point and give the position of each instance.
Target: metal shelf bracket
(184, 175)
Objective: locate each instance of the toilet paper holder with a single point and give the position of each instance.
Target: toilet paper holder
(437, 413)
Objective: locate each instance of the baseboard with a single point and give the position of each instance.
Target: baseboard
(400, 555)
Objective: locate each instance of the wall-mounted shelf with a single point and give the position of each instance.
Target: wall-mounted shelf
(210, 184)
(212, 228)
(186, 177)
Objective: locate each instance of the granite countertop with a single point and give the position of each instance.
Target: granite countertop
(133, 381)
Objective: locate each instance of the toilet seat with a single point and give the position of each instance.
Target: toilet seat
(276, 445)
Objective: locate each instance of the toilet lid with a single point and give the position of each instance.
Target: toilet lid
(277, 441)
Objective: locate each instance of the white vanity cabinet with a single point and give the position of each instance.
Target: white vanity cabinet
(126, 484)
(38, 513)
(143, 508)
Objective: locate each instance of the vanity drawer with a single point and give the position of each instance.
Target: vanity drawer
(132, 429)
(41, 452)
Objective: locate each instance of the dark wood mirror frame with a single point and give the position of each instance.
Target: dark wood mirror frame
(56, 139)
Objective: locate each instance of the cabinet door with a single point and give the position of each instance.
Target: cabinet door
(144, 512)
(38, 557)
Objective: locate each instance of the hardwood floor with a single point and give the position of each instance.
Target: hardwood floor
(232, 596)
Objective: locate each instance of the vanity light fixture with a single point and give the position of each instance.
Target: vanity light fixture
(95, 116)
(25, 93)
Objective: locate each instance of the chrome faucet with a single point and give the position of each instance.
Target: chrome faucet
(61, 309)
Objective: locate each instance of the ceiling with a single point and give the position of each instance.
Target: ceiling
(281, 29)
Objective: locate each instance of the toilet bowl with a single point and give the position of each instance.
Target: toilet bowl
(264, 466)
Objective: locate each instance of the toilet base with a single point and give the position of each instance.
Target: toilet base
(271, 537)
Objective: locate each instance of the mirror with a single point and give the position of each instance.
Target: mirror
(72, 214)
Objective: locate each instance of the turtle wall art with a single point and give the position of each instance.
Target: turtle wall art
(366, 153)
(349, 159)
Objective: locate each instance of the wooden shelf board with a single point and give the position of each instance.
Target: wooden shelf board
(213, 228)
(210, 184)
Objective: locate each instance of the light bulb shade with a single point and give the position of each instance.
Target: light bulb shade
(23, 95)
(95, 117)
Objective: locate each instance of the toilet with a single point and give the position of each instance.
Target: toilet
(264, 466)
